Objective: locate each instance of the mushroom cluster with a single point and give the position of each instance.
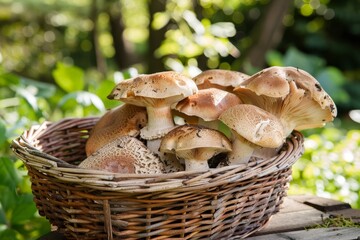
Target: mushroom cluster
(259, 112)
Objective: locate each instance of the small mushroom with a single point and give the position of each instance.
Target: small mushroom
(221, 79)
(207, 105)
(123, 120)
(251, 128)
(195, 145)
(157, 92)
(124, 155)
(302, 104)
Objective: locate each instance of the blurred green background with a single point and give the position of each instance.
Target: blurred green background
(61, 58)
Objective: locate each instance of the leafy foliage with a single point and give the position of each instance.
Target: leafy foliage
(28, 102)
(330, 166)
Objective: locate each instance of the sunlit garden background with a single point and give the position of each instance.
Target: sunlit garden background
(61, 59)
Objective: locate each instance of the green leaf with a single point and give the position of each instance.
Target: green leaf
(7, 79)
(9, 234)
(9, 175)
(103, 90)
(69, 78)
(3, 136)
(274, 58)
(332, 80)
(83, 98)
(293, 57)
(24, 210)
(7, 201)
(43, 89)
(29, 98)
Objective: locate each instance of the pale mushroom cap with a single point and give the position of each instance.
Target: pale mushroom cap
(155, 89)
(191, 137)
(305, 106)
(272, 82)
(306, 81)
(207, 104)
(124, 155)
(255, 125)
(124, 120)
(218, 78)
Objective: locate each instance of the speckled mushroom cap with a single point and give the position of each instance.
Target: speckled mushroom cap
(155, 89)
(196, 143)
(207, 104)
(272, 82)
(303, 80)
(157, 92)
(255, 125)
(124, 155)
(123, 120)
(218, 78)
(187, 137)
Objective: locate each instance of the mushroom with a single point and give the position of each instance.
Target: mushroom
(295, 97)
(195, 145)
(271, 82)
(251, 127)
(123, 120)
(207, 105)
(218, 78)
(124, 155)
(157, 92)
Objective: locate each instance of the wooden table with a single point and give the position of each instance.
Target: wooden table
(298, 214)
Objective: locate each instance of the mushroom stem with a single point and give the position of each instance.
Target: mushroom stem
(160, 121)
(242, 150)
(193, 164)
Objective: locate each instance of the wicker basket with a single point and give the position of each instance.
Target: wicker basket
(225, 203)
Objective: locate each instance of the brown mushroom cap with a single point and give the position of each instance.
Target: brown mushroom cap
(218, 78)
(207, 104)
(157, 89)
(255, 125)
(124, 155)
(123, 120)
(305, 81)
(306, 105)
(272, 82)
(195, 145)
(157, 92)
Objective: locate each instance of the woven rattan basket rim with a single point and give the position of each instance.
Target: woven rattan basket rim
(26, 147)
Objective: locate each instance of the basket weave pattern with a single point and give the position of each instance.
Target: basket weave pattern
(225, 203)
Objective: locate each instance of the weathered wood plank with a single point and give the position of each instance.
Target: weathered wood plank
(314, 234)
(320, 203)
(293, 216)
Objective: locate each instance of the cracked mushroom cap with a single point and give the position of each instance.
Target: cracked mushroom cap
(124, 155)
(255, 125)
(207, 104)
(124, 120)
(218, 78)
(195, 144)
(157, 89)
